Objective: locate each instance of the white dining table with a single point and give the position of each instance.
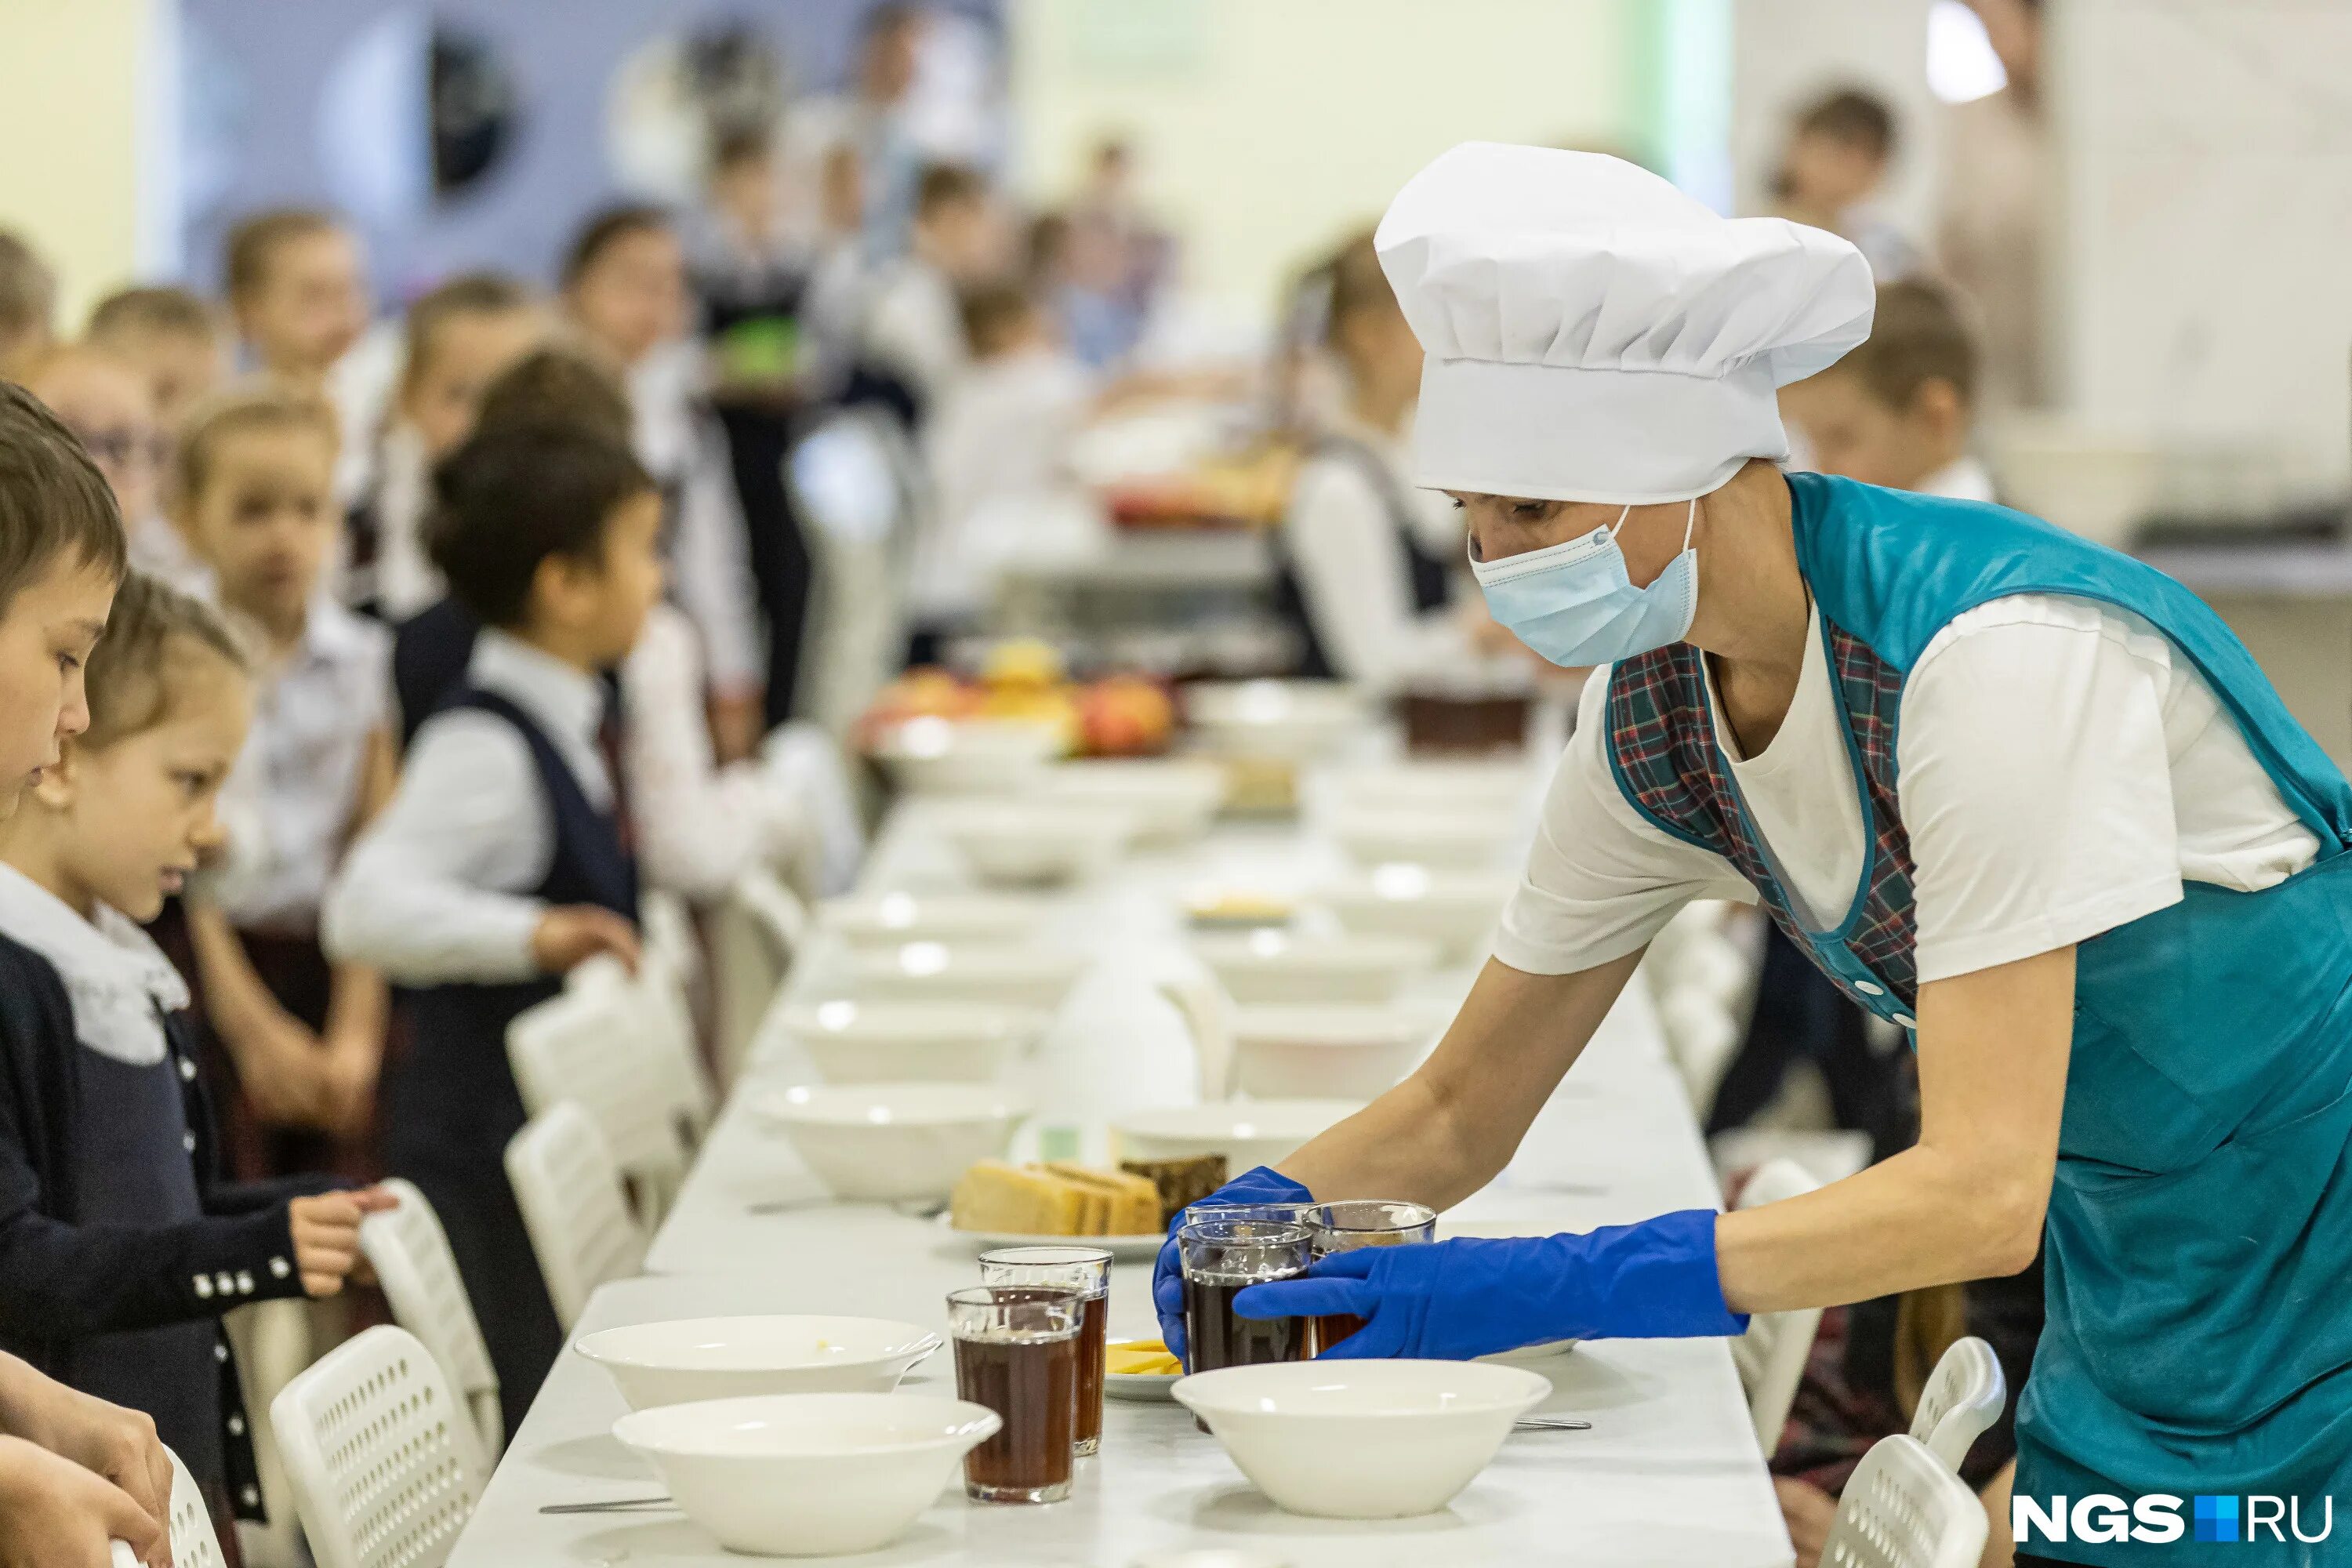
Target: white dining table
(1669, 1474)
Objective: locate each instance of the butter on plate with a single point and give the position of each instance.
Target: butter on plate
(1140, 1358)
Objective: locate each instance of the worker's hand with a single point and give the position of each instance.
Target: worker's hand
(1263, 1185)
(55, 1514)
(738, 721)
(1452, 1300)
(326, 1231)
(570, 936)
(108, 1439)
(1809, 1512)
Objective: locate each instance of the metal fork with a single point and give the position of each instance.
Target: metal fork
(1552, 1424)
(615, 1505)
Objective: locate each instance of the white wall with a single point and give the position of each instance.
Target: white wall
(1268, 129)
(1789, 52)
(2208, 154)
(71, 79)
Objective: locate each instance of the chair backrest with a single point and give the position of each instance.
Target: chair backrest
(410, 1254)
(760, 929)
(377, 1450)
(589, 1044)
(1772, 1354)
(1903, 1508)
(669, 928)
(1963, 1398)
(194, 1543)
(573, 1207)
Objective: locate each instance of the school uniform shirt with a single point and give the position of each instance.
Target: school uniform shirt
(2062, 771)
(160, 550)
(699, 826)
(404, 580)
(299, 777)
(120, 1250)
(435, 890)
(997, 446)
(1962, 479)
(1339, 535)
(708, 549)
(914, 328)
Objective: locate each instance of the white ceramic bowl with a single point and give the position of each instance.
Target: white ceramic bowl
(1433, 786)
(893, 919)
(1010, 974)
(920, 1042)
(1328, 1050)
(729, 1358)
(808, 1475)
(1456, 910)
(1362, 1440)
(1277, 966)
(1425, 836)
(1036, 843)
(1246, 1133)
(966, 756)
(1173, 799)
(889, 1142)
(1293, 718)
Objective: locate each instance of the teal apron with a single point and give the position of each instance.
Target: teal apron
(2198, 1244)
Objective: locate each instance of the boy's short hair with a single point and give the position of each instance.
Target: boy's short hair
(467, 294)
(251, 405)
(131, 670)
(1850, 115)
(28, 289)
(992, 313)
(1916, 337)
(945, 184)
(53, 503)
(742, 146)
(128, 312)
(557, 385)
(254, 243)
(605, 229)
(515, 495)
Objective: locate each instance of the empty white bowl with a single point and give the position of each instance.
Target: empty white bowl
(966, 756)
(1292, 719)
(1328, 1050)
(1036, 843)
(893, 919)
(1246, 1133)
(1362, 1440)
(1172, 799)
(808, 1475)
(920, 1042)
(1011, 974)
(1271, 965)
(1432, 785)
(889, 1142)
(727, 1358)
(1425, 836)
(1456, 910)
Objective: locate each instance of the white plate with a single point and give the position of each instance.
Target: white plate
(1139, 1386)
(1126, 1248)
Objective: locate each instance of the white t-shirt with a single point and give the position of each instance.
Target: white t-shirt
(2061, 769)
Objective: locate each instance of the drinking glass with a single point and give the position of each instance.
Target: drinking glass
(1086, 1271)
(1360, 1221)
(1016, 1351)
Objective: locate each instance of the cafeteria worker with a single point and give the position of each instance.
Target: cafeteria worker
(2012, 792)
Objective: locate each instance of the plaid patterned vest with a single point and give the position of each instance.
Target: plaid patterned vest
(1664, 750)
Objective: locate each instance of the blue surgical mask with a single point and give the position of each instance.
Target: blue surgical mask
(1573, 604)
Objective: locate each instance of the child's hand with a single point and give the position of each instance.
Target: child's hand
(55, 1514)
(107, 1439)
(327, 1235)
(575, 933)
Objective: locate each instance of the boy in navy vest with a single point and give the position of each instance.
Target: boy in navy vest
(503, 859)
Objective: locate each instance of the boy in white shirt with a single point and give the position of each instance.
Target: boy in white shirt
(913, 328)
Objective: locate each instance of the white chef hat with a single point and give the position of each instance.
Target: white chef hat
(1595, 334)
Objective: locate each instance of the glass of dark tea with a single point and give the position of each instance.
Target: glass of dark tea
(1224, 1255)
(1360, 1221)
(1086, 1270)
(1016, 1351)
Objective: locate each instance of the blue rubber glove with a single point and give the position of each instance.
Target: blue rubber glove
(1263, 1184)
(1450, 1301)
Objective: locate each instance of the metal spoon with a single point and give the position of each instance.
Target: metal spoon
(1552, 1424)
(617, 1505)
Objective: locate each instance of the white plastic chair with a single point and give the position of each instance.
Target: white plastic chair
(379, 1455)
(410, 1254)
(669, 930)
(652, 1014)
(573, 1207)
(1772, 1354)
(1904, 1510)
(1701, 1039)
(758, 931)
(1961, 1400)
(592, 1045)
(193, 1544)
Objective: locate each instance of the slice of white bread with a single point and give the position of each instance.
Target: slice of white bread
(1014, 1200)
(1132, 1202)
